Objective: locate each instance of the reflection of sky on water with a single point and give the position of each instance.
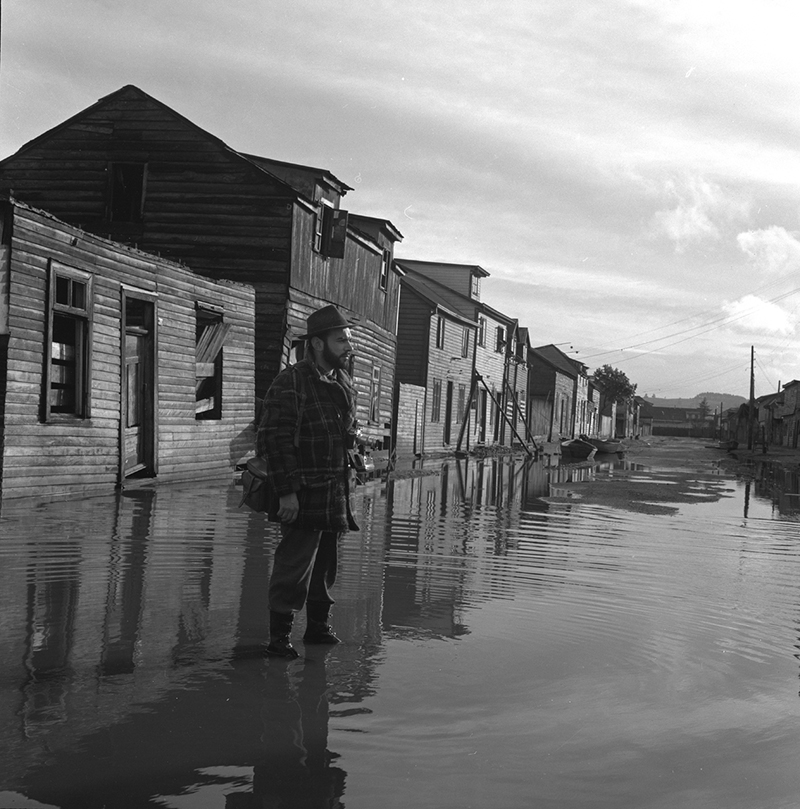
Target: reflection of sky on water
(501, 649)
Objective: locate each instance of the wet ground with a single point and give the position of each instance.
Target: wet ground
(617, 633)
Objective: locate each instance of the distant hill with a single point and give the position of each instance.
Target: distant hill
(713, 400)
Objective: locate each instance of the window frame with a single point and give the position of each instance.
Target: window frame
(386, 263)
(214, 318)
(440, 331)
(500, 339)
(83, 318)
(436, 401)
(475, 287)
(465, 341)
(374, 415)
(482, 332)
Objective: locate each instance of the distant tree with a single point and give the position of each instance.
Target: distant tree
(615, 383)
(704, 408)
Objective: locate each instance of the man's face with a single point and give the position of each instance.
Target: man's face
(337, 349)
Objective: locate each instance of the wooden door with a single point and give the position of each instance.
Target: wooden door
(138, 387)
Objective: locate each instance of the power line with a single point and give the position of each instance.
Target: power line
(712, 325)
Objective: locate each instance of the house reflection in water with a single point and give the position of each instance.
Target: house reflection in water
(130, 625)
(126, 615)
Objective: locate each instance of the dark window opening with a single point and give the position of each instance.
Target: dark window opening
(127, 192)
(500, 343)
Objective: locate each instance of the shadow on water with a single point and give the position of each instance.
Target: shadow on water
(132, 627)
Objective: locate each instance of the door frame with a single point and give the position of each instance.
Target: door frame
(150, 411)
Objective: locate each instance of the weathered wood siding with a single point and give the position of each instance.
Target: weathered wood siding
(413, 338)
(446, 365)
(410, 420)
(76, 454)
(352, 282)
(204, 205)
(490, 364)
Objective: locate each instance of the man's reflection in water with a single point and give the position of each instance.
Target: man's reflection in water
(296, 771)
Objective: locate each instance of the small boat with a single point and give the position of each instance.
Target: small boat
(578, 448)
(606, 444)
(731, 444)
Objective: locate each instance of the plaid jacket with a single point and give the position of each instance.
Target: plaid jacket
(307, 425)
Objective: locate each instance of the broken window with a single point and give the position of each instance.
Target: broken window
(330, 231)
(211, 333)
(66, 382)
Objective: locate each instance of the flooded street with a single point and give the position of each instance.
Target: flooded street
(612, 634)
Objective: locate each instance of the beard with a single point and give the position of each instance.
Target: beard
(340, 361)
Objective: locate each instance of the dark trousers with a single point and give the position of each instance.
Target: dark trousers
(304, 568)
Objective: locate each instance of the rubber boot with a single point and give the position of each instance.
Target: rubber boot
(318, 630)
(280, 631)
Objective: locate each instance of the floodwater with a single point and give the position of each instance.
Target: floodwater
(505, 644)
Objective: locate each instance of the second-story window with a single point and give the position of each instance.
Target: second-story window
(475, 288)
(482, 332)
(500, 340)
(126, 191)
(330, 230)
(465, 342)
(440, 332)
(385, 267)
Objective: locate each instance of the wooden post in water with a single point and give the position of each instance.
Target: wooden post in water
(751, 416)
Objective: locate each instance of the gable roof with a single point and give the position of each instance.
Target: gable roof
(302, 178)
(433, 299)
(553, 356)
(373, 225)
(450, 299)
(428, 267)
(130, 92)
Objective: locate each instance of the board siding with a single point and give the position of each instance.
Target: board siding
(75, 454)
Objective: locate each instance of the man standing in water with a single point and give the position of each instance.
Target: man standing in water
(307, 427)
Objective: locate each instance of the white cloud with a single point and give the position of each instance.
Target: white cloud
(700, 209)
(773, 250)
(754, 314)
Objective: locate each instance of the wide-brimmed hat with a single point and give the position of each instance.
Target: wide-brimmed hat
(325, 319)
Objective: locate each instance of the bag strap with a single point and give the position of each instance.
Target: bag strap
(302, 395)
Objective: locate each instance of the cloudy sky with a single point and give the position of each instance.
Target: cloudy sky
(628, 171)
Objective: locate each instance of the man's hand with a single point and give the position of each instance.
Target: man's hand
(288, 507)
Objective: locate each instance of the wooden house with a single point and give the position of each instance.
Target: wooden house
(115, 365)
(559, 394)
(132, 169)
(496, 413)
(435, 345)
(502, 351)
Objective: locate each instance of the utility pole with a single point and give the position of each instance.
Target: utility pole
(752, 410)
